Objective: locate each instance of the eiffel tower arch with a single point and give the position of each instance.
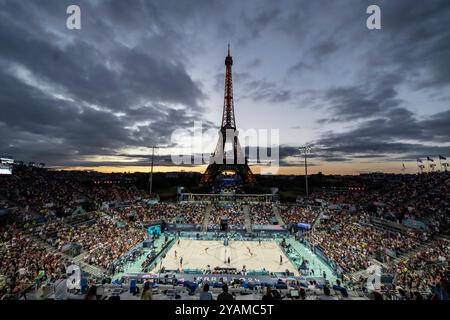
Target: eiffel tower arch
(221, 162)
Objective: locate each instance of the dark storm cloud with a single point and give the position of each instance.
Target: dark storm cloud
(377, 95)
(58, 130)
(263, 90)
(438, 126)
(413, 42)
(85, 72)
(256, 23)
(383, 136)
(412, 51)
(419, 40)
(60, 89)
(413, 48)
(260, 90)
(316, 56)
(324, 49)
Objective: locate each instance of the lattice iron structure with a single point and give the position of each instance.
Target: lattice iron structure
(220, 161)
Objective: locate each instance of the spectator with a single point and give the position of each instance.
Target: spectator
(268, 295)
(92, 293)
(326, 294)
(339, 288)
(225, 295)
(377, 296)
(206, 295)
(147, 293)
(276, 295)
(302, 294)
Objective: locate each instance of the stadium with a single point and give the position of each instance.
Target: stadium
(88, 227)
(121, 240)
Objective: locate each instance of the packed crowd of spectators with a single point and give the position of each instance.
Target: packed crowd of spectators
(348, 237)
(425, 268)
(32, 191)
(100, 237)
(25, 263)
(142, 213)
(234, 213)
(345, 235)
(262, 213)
(397, 198)
(298, 214)
(348, 240)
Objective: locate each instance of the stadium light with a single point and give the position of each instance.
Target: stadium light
(151, 170)
(306, 150)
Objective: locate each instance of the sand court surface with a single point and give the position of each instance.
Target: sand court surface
(197, 254)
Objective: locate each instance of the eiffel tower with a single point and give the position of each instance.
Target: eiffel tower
(220, 161)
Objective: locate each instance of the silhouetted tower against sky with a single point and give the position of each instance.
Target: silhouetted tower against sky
(228, 121)
(220, 161)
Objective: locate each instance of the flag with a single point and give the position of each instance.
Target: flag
(442, 158)
(418, 160)
(429, 159)
(403, 166)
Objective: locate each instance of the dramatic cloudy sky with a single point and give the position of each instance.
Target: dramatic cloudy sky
(366, 100)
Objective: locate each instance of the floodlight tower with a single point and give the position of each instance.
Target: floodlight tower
(306, 150)
(150, 181)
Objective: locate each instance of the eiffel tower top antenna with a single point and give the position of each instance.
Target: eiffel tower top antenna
(228, 117)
